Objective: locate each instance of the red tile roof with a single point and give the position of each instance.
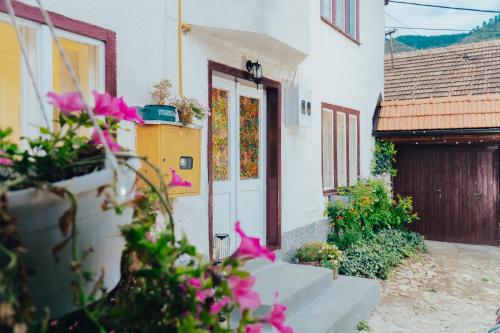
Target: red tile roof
(466, 69)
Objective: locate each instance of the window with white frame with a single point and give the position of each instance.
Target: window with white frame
(19, 108)
(343, 14)
(340, 147)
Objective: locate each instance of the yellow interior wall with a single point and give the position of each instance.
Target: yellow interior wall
(78, 54)
(163, 145)
(10, 81)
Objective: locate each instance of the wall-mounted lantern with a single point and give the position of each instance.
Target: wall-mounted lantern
(255, 70)
(221, 247)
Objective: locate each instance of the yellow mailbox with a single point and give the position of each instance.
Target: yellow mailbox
(172, 146)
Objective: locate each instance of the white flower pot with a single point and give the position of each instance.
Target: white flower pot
(38, 213)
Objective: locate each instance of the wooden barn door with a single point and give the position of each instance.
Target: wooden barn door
(455, 191)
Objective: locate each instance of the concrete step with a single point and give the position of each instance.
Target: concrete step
(255, 264)
(346, 302)
(297, 285)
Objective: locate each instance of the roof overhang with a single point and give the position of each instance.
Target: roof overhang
(444, 113)
(449, 120)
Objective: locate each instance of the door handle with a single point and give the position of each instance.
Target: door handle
(478, 194)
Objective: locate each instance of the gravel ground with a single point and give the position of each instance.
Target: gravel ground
(452, 288)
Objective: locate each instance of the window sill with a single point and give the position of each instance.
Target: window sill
(327, 193)
(352, 39)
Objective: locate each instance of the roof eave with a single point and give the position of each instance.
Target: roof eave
(436, 132)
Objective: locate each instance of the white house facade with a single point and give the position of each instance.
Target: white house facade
(284, 147)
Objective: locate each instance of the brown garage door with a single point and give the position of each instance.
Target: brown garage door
(455, 191)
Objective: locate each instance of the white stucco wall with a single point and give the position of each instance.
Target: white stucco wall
(337, 71)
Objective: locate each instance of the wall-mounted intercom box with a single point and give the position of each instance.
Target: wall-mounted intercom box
(172, 146)
(298, 107)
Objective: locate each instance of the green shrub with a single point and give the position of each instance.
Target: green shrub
(371, 207)
(376, 255)
(384, 157)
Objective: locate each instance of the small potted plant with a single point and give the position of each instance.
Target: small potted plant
(189, 108)
(309, 254)
(321, 255)
(161, 93)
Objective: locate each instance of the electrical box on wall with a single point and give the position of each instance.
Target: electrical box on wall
(298, 107)
(172, 146)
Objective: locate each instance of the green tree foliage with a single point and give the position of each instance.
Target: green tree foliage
(489, 30)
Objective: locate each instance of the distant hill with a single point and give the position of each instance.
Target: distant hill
(397, 46)
(487, 31)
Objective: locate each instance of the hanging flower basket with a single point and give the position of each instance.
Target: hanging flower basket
(38, 213)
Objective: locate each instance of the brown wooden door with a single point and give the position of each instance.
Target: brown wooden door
(455, 191)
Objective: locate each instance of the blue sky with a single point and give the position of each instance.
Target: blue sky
(424, 17)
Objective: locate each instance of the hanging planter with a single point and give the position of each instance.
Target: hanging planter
(38, 214)
(62, 198)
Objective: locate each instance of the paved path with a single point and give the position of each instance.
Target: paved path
(454, 288)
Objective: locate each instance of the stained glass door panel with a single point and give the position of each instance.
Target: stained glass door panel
(249, 137)
(220, 134)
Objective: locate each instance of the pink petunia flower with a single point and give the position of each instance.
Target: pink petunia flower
(126, 112)
(103, 105)
(106, 105)
(250, 247)
(277, 317)
(195, 283)
(150, 237)
(6, 161)
(109, 139)
(219, 305)
(67, 102)
(177, 180)
(202, 295)
(254, 328)
(243, 293)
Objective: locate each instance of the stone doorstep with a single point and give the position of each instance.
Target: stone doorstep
(339, 310)
(316, 303)
(296, 285)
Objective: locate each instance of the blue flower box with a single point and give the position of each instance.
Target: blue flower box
(159, 113)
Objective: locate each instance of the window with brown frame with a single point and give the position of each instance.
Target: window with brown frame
(340, 147)
(342, 15)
